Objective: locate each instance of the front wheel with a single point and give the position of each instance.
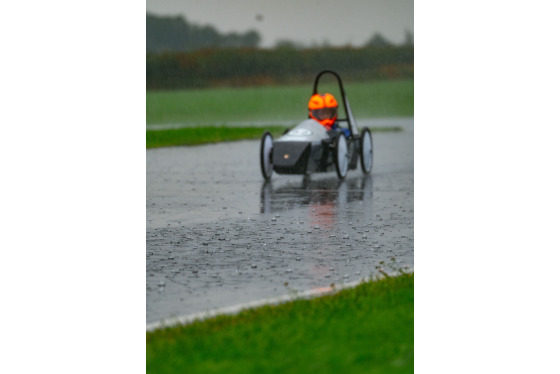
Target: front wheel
(266, 155)
(366, 151)
(341, 156)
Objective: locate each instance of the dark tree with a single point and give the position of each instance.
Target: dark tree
(408, 38)
(377, 40)
(175, 34)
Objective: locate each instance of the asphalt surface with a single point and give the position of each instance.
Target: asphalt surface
(217, 236)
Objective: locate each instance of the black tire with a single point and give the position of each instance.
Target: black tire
(366, 151)
(266, 155)
(341, 156)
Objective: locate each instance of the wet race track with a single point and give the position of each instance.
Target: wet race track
(217, 236)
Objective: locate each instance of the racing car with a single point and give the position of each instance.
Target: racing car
(311, 148)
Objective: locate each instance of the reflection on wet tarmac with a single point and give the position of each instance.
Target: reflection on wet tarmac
(323, 193)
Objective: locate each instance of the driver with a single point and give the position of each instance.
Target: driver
(323, 108)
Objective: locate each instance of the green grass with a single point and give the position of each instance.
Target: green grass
(367, 329)
(210, 134)
(204, 135)
(221, 106)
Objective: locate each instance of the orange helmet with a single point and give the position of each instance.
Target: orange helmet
(323, 108)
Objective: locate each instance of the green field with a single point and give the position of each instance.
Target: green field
(366, 329)
(211, 134)
(220, 106)
(205, 135)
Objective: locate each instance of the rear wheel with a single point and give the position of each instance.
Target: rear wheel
(266, 155)
(341, 156)
(366, 151)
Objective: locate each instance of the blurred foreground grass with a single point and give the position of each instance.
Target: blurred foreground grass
(367, 329)
(221, 106)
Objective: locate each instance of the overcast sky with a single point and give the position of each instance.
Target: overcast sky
(340, 22)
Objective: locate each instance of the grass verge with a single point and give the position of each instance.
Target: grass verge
(369, 328)
(205, 135)
(274, 103)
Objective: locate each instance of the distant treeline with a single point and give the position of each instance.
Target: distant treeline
(251, 66)
(185, 55)
(174, 34)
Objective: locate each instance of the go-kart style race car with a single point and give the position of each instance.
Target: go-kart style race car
(311, 148)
